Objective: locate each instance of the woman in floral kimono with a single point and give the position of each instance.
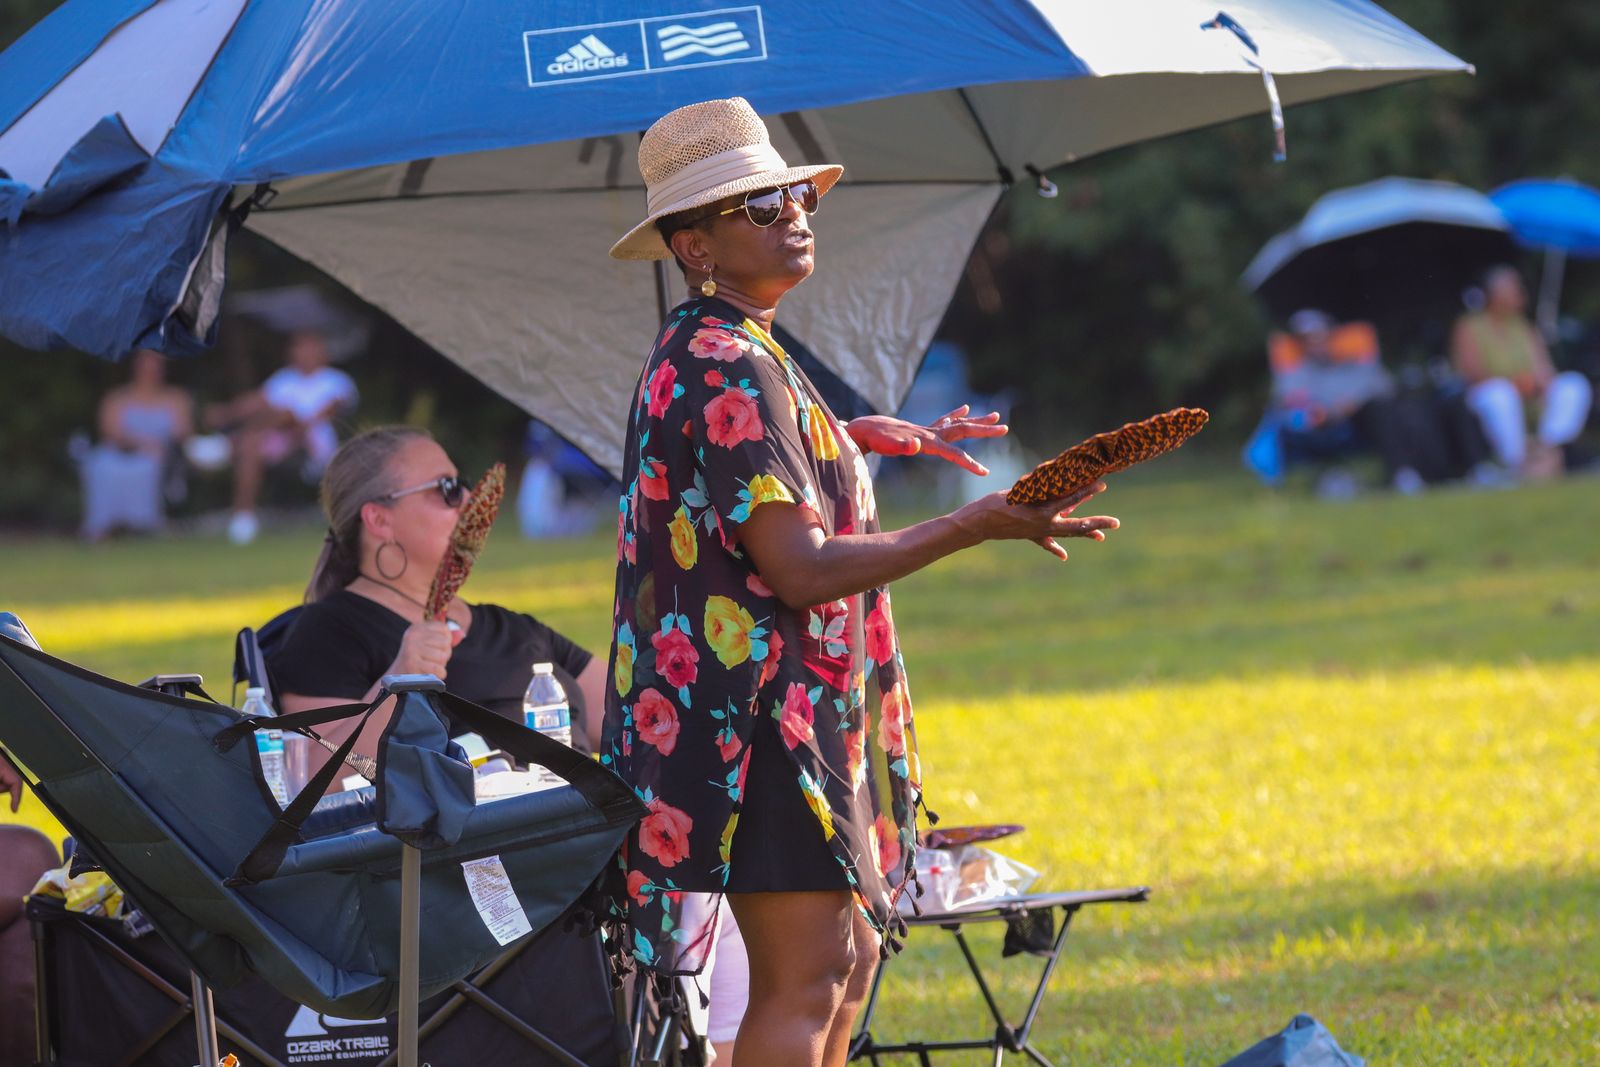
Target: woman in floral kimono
(760, 706)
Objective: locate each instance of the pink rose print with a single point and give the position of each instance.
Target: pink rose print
(728, 745)
(757, 586)
(653, 479)
(636, 883)
(664, 833)
(660, 387)
(880, 633)
(769, 666)
(892, 726)
(676, 658)
(720, 345)
(888, 838)
(656, 721)
(715, 379)
(795, 721)
(732, 418)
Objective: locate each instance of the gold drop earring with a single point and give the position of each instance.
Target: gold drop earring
(709, 286)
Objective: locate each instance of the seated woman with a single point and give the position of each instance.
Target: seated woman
(141, 424)
(392, 497)
(1511, 381)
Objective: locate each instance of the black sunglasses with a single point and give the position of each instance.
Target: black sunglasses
(450, 487)
(765, 206)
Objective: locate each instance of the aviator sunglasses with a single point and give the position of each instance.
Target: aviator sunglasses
(450, 487)
(763, 207)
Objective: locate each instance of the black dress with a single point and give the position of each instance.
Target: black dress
(340, 645)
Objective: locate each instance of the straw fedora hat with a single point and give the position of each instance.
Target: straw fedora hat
(699, 154)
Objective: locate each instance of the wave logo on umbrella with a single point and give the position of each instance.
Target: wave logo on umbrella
(716, 39)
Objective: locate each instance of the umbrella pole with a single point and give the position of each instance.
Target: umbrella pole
(1550, 281)
(663, 297)
(205, 1020)
(410, 922)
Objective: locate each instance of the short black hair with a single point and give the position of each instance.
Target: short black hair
(667, 225)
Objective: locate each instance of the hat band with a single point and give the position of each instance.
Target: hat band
(715, 170)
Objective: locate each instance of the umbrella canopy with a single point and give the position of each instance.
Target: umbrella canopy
(465, 166)
(1392, 247)
(1553, 213)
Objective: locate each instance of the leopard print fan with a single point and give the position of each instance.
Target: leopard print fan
(1106, 453)
(467, 540)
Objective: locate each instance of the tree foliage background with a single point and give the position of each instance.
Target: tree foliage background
(1118, 298)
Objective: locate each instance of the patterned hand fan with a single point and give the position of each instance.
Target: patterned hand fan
(467, 540)
(955, 836)
(1106, 453)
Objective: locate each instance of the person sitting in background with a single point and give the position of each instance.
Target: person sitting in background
(392, 498)
(1510, 379)
(290, 416)
(1331, 396)
(141, 425)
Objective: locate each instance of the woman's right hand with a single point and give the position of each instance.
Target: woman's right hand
(990, 518)
(425, 649)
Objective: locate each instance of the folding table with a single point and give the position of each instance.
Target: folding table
(1015, 912)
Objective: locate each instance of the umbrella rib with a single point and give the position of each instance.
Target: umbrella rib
(983, 131)
(580, 190)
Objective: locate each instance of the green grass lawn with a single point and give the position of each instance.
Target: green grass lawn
(1354, 748)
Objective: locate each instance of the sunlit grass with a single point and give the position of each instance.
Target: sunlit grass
(1355, 750)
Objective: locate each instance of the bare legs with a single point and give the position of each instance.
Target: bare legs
(28, 854)
(836, 1048)
(811, 960)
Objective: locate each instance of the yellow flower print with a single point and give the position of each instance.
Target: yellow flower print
(685, 546)
(819, 804)
(727, 630)
(622, 672)
(725, 850)
(823, 444)
(766, 487)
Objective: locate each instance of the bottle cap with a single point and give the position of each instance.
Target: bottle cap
(255, 691)
(544, 668)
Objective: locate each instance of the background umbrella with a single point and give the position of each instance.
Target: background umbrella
(1397, 249)
(465, 166)
(1561, 216)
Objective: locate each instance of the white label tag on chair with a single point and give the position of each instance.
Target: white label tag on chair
(496, 901)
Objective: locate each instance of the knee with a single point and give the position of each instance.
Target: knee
(1574, 386)
(1495, 395)
(812, 984)
(29, 854)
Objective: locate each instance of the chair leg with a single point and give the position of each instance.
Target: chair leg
(205, 1021)
(410, 952)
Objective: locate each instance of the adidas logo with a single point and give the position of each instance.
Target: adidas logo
(591, 53)
(715, 39)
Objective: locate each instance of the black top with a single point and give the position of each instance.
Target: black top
(340, 645)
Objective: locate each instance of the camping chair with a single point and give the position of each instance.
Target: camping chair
(325, 907)
(654, 1013)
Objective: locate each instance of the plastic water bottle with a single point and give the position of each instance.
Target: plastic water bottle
(545, 709)
(269, 745)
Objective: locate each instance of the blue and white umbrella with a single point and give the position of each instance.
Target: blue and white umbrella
(1387, 248)
(466, 165)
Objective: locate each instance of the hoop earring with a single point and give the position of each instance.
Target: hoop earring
(377, 560)
(709, 286)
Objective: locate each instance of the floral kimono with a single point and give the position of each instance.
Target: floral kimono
(723, 423)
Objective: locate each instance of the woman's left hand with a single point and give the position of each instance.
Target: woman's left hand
(888, 436)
